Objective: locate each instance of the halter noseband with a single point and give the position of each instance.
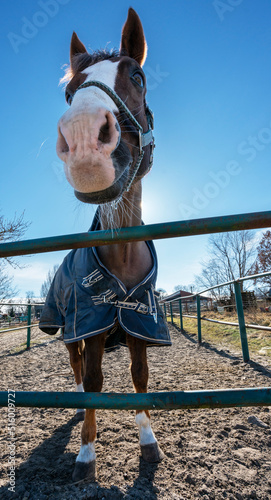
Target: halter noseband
(144, 138)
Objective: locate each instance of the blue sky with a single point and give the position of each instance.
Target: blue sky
(209, 78)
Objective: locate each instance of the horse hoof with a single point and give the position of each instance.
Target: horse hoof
(152, 452)
(83, 470)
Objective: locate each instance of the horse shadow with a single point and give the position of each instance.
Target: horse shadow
(143, 485)
(43, 464)
(47, 473)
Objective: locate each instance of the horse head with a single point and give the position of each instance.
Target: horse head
(105, 138)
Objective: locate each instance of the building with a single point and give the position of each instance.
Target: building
(188, 301)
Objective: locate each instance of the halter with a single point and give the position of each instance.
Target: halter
(144, 138)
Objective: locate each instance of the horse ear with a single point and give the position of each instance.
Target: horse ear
(77, 47)
(133, 43)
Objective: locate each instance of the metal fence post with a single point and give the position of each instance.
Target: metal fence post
(181, 314)
(171, 313)
(199, 319)
(241, 321)
(165, 311)
(28, 329)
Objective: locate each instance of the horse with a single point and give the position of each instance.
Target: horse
(105, 140)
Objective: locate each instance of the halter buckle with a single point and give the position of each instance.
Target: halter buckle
(150, 117)
(140, 141)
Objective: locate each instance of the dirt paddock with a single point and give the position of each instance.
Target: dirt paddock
(209, 454)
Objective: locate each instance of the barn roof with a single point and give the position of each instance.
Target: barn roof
(183, 294)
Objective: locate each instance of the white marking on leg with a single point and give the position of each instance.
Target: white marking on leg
(79, 388)
(146, 435)
(86, 453)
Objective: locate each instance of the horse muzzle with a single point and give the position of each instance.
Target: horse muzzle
(86, 142)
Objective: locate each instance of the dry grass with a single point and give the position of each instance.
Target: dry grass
(259, 341)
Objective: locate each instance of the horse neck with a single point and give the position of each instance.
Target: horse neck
(130, 262)
(126, 213)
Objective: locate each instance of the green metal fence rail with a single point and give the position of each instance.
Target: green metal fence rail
(29, 325)
(7, 330)
(239, 307)
(192, 227)
(231, 282)
(260, 396)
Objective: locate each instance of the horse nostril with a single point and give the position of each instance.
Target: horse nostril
(62, 146)
(104, 134)
(109, 131)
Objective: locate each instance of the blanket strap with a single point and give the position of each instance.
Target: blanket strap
(137, 306)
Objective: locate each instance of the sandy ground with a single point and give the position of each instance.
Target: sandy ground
(209, 454)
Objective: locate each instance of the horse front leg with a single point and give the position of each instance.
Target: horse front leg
(139, 369)
(92, 382)
(76, 352)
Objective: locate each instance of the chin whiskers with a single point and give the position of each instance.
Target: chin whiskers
(118, 213)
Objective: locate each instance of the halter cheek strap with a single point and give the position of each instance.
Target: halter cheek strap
(144, 138)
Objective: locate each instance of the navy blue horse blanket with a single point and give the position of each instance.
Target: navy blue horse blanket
(85, 299)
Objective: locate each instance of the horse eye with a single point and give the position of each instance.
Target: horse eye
(138, 78)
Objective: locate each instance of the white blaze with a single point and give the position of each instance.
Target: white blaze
(92, 97)
(87, 159)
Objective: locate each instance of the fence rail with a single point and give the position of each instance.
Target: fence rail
(18, 328)
(260, 396)
(176, 229)
(247, 325)
(29, 325)
(239, 307)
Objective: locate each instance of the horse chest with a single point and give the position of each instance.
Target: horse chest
(130, 263)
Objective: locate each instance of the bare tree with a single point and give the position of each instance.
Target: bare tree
(6, 288)
(211, 275)
(47, 283)
(10, 230)
(263, 265)
(233, 256)
(163, 292)
(263, 261)
(184, 288)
